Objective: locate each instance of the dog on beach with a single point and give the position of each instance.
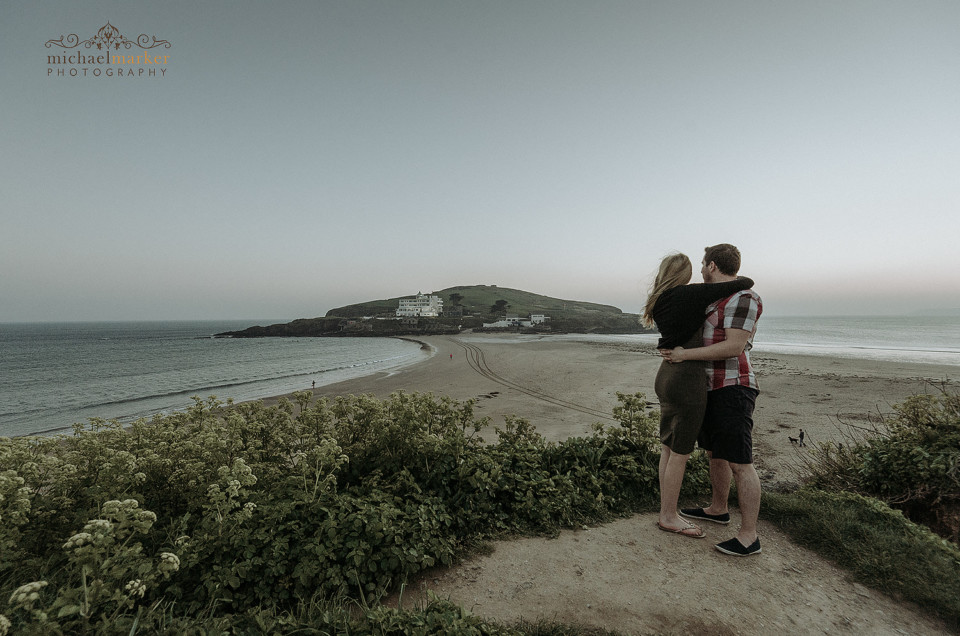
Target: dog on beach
(793, 440)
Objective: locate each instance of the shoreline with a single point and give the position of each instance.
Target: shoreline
(144, 406)
(563, 386)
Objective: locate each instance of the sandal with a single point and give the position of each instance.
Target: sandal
(692, 531)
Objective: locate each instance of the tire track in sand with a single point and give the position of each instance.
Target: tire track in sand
(477, 361)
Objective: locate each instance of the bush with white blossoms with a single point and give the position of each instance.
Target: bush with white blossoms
(14, 508)
(98, 589)
(238, 518)
(223, 497)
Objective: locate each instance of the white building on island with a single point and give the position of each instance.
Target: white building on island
(420, 305)
(515, 321)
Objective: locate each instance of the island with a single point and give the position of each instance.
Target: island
(451, 310)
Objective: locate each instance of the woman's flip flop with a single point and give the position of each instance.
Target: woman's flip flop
(692, 531)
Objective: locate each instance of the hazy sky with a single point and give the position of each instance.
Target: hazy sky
(298, 156)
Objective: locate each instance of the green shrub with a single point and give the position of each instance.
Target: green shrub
(229, 516)
(912, 463)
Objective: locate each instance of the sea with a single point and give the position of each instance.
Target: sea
(904, 339)
(54, 375)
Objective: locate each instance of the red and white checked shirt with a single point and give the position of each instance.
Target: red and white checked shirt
(739, 311)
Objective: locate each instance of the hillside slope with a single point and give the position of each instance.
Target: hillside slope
(479, 299)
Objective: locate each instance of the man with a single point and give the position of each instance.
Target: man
(727, 433)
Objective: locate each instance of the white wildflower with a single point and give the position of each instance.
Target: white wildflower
(98, 525)
(78, 540)
(135, 587)
(5, 625)
(26, 595)
(169, 563)
(143, 520)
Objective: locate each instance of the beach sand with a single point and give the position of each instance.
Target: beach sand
(562, 386)
(627, 575)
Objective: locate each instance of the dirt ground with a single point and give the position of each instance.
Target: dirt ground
(630, 577)
(627, 575)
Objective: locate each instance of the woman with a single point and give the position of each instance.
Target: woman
(677, 309)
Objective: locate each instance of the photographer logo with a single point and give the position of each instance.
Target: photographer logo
(108, 54)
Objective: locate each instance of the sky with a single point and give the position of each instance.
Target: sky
(297, 156)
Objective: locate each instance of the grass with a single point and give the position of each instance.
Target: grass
(878, 545)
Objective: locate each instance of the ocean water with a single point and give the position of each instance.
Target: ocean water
(907, 339)
(53, 375)
(924, 339)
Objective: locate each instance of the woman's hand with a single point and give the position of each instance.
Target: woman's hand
(672, 355)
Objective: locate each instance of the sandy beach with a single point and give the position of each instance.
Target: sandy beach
(626, 575)
(563, 386)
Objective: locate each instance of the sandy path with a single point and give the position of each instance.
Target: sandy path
(627, 575)
(631, 577)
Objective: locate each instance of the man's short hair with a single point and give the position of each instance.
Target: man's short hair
(725, 256)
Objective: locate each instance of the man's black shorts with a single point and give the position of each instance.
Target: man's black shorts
(728, 424)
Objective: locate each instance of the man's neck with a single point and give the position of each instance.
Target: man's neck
(722, 278)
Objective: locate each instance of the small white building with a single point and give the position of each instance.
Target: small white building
(420, 305)
(515, 321)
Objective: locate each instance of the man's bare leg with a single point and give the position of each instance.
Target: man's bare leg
(748, 496)
(720, 478)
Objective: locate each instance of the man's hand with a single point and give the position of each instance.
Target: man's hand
(733, 346)
(673, 355)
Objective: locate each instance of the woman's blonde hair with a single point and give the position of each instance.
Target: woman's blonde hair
(675, 270)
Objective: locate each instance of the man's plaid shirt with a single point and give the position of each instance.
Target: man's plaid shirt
(740, 311)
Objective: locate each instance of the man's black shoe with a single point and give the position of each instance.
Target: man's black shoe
(734, 547)
(698, 513)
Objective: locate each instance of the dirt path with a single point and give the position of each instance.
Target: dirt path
(631, 577)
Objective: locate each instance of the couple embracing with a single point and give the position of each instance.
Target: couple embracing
(707, 389)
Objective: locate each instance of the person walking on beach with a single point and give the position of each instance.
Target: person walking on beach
(676, 308)
(727, 432)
